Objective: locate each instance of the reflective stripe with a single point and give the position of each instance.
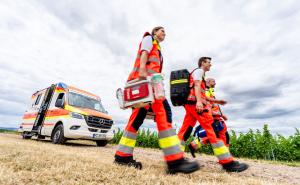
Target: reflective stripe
(179, 81)
(136, 69)
(224, 156)
(150, 59)
(217, 144)
(129, 135)
(167, 133)
(220, 150)
(172, 150)
(127, 142)
(169, 141)
(154, 59)
(125, 149)
(151, 71)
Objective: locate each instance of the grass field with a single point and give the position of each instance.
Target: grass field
(81, 162)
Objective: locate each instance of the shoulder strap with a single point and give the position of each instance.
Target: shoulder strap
(194, 70)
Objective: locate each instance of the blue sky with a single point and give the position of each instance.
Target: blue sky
(92, 45)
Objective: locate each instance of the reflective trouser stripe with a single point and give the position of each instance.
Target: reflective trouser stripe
(166, 133)
(171, 150)
(221, 151)
(127, 142)
(170, 144)
(169, 141)
(125, 149)
(224, 156)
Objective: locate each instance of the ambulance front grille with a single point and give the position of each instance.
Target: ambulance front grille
(98, 122)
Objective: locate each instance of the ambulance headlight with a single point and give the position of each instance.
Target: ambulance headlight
(76, 115)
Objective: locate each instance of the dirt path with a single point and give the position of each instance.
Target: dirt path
(81, 162)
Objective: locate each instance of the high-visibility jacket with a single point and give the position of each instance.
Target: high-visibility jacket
(192, 96)
(210, 93)
(154, 63)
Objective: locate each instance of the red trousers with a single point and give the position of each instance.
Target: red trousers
(223, 134)
(168, 140)
(205, 119)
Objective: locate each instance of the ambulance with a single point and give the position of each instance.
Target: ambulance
(63, 112)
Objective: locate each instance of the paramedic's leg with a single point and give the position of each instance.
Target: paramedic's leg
(219, 148)
(124, 153)
(223, 134)
(186, 129)
(169, 142)
(206, 121)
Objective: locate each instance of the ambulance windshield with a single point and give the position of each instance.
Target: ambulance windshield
(79, 100)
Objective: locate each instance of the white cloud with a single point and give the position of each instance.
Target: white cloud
(92, 45)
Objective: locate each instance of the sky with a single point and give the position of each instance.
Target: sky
(92, 45)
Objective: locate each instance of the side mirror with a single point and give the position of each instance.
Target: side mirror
(59, 103)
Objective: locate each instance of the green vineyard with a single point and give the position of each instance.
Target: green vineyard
(253, 145)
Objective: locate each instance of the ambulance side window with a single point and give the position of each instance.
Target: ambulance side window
(60, 97)
(38, 99)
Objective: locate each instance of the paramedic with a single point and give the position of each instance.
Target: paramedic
(198, 109)
(148, 61)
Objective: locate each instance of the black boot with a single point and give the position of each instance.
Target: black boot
(235, 166)
(128, 161)
(182, 166)
(192, 150)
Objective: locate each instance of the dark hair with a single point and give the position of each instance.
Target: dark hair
(155, 29)
(202, 59)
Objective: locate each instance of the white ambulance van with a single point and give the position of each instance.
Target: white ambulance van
(64, 112)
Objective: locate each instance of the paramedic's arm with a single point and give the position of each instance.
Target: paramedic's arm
(143, 61)
(221, 102)
(224, 117)
(199, 104)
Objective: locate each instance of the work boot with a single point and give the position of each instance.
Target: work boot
(182, 166)
(235, 166)
(128, 161)
(192, 150)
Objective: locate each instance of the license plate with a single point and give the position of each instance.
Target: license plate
(99, 136)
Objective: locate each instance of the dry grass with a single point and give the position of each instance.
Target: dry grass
(81, 162)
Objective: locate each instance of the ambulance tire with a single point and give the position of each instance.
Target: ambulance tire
(101, 143)
(57, 136)
(24, 136)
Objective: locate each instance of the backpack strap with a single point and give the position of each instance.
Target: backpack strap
(191, 74)
(194, 70)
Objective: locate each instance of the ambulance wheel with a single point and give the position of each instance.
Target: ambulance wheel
(25, 136)
(58, 135)
(101, 142)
